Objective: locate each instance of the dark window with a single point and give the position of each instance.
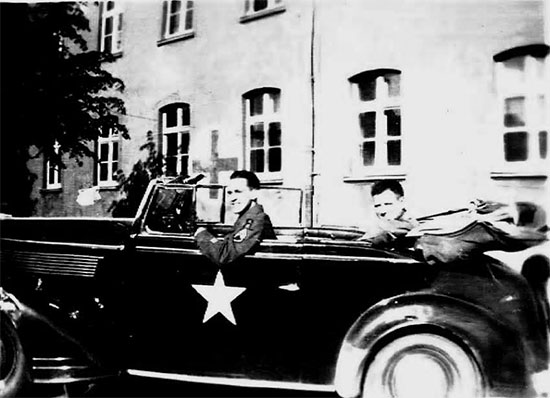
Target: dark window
(367, 120)
(394, 153)
(264, 130)
(393, 117)
(368, 153)
(543, 144)
(514, 114)
(259, 5)
(515, 146)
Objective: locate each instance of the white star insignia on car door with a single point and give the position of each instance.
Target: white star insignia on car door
(219, 298)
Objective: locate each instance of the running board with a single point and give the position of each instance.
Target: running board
(236, 382)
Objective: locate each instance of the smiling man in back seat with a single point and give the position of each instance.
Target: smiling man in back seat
(251, 227)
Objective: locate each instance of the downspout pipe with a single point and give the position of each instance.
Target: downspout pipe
(311, 189)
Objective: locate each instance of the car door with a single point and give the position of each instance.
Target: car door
(189, 318)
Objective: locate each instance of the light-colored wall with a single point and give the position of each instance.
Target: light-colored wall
(449, 111)
(444, 49)
(212, 71)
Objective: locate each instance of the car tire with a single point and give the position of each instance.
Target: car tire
(422, 365)
(13, 364)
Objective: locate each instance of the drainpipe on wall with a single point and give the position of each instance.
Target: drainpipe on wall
(310, 191)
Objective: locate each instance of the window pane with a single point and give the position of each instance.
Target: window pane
(104, 152)
(184, 143)
(514, 70)
(175, 6)
(394, 84)
(368, 153)
(171, 166)
(515, 146)
(393, 118)
(260, 5)
(189, 20)
(275, 100)
(543, 144)
(171, 118)
(110, 5)
(107, 44)
(115, 151)
(174, 23)
(367, 89)
(274, 134)
(171, 144)
(257, 160)
(185, 115)
(103, 172)
(256, 105)
(541, 112)
(367, 122)
(115, 168)
(257, 135)
(274, 159)
(108, 26)
(51, 175)
(184, 162)
(394, 153)
(514, 113)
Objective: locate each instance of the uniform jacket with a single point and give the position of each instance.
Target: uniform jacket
(248, 231)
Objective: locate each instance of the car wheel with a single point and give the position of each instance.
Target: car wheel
(13, 369)
(423, 365)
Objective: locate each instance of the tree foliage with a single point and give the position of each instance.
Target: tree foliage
(52, 90)
(133, 186)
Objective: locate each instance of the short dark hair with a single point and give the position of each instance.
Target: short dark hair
(383, 185)
(251, 180)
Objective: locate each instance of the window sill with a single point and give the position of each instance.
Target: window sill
(271, 181)
(113, 187)
(263, 13)
(46, 191)
(389, 175)
(116, 55)
(183, 36)
(534, 174)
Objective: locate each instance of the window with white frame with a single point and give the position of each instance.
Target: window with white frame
(263, 130)
(107, 154)
(254, 6)
(178, 18)
(175, 132)
(111, 27)
(53, 175)
(377, 98)
(523, 101)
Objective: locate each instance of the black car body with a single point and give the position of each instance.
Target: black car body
(315, 309)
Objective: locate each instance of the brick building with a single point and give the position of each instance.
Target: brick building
(448, 96)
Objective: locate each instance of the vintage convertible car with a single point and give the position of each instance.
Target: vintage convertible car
(315, 309)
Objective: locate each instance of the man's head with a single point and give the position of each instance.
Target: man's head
(387, 196)
(242, 190)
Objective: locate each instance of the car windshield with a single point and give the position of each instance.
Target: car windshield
(178, 208)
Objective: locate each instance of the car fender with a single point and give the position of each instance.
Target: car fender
(474, 328)
(66, 360)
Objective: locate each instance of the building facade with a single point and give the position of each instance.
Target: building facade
(450, 97)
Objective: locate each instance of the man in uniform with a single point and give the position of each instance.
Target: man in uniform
(392, 219)
(251, 227)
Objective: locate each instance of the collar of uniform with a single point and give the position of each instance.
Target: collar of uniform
(251, 212)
